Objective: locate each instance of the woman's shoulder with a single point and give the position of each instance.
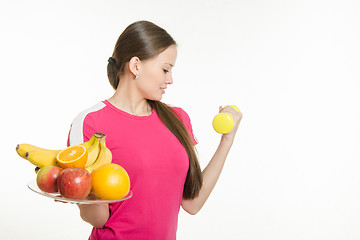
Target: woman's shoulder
(180, 111)
(177, 109)
(94, 108)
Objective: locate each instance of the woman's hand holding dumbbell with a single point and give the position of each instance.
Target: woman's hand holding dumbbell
(227, 121)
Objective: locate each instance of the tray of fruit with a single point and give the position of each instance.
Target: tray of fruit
(81, 173)
(90, 199)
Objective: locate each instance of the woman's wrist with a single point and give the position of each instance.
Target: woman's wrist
(227, 140)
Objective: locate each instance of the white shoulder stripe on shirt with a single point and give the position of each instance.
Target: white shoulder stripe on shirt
(76, 132)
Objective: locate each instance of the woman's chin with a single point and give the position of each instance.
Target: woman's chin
(157, 98)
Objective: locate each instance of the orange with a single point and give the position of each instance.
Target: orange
(73, 156)
(110, 182)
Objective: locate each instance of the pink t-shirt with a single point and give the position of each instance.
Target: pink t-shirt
(157, 165)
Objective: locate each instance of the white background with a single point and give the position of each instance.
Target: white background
(291, 66)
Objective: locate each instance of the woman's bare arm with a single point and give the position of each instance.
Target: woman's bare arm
(95, 214)
(213, 170)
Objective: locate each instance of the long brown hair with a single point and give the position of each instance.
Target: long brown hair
(145, 40)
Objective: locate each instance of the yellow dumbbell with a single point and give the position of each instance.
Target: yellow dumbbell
(223, 122)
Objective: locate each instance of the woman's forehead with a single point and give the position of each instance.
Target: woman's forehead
(168, 56)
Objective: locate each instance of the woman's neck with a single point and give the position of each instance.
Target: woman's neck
(127, 99)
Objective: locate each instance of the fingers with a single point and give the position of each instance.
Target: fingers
(234, 111)
(220, 108)
(227, 109)
(56, 200)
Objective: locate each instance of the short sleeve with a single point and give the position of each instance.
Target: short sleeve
(187, 122)
(81, 130)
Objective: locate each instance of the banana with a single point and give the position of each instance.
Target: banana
(22, 149)
(93, 152)
(41, 158)
(93, 148)
(104, 157)
(99, 135)
(88, 144)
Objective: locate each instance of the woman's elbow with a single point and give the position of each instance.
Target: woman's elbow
(192, 209)
(97, 223)
(192, 212)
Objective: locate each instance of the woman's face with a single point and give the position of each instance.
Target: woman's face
(156, 74)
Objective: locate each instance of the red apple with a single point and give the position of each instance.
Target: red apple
(74, 183)
(46, 178)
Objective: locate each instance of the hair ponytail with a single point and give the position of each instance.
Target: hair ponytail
(112, 72)
(173, 122)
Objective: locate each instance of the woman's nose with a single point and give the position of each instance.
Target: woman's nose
(169, 80)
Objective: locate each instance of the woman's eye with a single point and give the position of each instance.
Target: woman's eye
(165, 71)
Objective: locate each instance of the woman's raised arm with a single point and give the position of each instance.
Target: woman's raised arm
(213, 170)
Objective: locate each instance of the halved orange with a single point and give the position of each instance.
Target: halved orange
(73, 156)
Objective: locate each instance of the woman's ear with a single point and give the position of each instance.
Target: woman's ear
(135, 65)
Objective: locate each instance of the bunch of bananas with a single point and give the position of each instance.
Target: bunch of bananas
(98, 153)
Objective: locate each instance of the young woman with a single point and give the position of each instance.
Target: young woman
(151, 140)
